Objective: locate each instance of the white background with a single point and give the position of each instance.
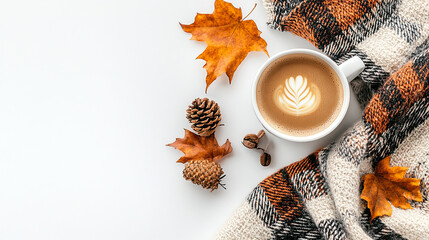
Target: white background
(90, 93)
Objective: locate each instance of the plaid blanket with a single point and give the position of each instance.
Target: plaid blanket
(319, 196)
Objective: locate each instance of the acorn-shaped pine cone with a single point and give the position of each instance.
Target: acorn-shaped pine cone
(204, 114)
(206, 173)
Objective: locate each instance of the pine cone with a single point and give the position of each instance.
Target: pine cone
(205, 173)
(204, 116)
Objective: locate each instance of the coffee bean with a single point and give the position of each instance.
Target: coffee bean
(265, 159)
(251, 141)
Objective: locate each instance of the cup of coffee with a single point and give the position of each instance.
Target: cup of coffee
(302, 95)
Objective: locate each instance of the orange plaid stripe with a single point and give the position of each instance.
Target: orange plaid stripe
(376, 114)
(347, 12)
(396, 96)
(408, 83)
(283, 197)
(308, 163)
(298, 25)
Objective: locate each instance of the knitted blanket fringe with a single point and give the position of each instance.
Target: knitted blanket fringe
(319, 196)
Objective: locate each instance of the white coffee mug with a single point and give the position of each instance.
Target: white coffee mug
(346, 72)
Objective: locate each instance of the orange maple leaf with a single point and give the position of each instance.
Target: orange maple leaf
(388, 183)
(229, 39)
(197, 147)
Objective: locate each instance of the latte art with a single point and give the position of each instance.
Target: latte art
(297, 96)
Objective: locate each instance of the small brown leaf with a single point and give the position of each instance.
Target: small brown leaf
(229, 39)
(197, 147)
(388, 183)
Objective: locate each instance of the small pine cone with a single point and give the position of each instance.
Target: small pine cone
(204, 114)
(206, 173)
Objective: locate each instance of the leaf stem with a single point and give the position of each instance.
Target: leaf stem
(263, 150)
(249, 12)
(235, 28)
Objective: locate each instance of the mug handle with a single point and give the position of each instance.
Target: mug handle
(352, 67)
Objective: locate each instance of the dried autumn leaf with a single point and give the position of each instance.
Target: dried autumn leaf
(197, 147)
(388, 183)
(229, 39)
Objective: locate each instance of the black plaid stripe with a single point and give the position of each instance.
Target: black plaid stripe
(310, 184)
(377, 229)
(352, 146)
(260, 203)
(421, 66)
(383, 145)
(282, 8)
(322, 23)
(391, 98)
(310, 162)
(301, 227)
(399, 128)
(323, 159)
(410, 32)
(370, 23)
(332, 229)
(370, 79)
(373, 74)
(420, 49)
(362, 90)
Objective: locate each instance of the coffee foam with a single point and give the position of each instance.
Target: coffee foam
(303, 95)
(297, 96)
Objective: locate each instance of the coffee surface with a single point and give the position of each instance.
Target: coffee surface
(299, 95)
